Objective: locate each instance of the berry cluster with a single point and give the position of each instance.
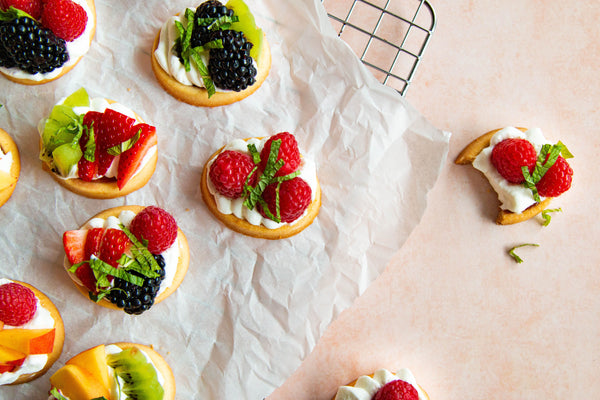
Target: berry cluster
(33, 33)
(154, 229)
(285, 196)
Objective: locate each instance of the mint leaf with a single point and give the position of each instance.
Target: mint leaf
(54, 392)
(546, 159)
(103, 268)
(564, 151)
(546, 215)
(90, 146)
(124, 146)
(514, 255)
(141, 254)
(215, 24)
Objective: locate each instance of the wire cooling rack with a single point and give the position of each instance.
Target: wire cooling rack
(389, 36)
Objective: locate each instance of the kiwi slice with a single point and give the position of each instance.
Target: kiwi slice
(141, 380)
(65, 157)
(247, 25)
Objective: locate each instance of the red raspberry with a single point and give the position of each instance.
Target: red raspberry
(229, 172)
(156, 226)
(31, 7)
(64, 18)
(294, 198)
(510, 155)
(288, 151)
(17, 304)
(114, 243)
(397, 390)
(556, 180)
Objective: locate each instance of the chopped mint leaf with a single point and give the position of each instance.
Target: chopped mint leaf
(254, 153)
(101, 267)
(141, 254)
(90, 146)
(546, 215)
(57, 394)
(564, 151)
(514, 255)
(546, 159)
(124, 146)
(215, 24)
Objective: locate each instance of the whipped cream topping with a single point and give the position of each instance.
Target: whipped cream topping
(76, 49)
(225, 205)
(42, 319)
(366, 387)
(513, 196)
(171, 255)
(6, 161)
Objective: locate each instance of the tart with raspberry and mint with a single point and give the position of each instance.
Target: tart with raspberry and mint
(96, 147)
(32, 332)
(523, 167)
(211, 56)
(41, 40)
(127, 257)
(383, 385)
(262, 187)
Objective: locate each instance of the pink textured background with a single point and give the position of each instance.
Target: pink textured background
(452, 305)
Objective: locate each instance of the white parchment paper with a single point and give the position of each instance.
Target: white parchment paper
(249, 310)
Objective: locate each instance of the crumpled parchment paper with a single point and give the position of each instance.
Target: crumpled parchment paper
(249, 310)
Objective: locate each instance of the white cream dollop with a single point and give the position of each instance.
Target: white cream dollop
(225, 205)
(513, 196)
(366, 387)
(42, 319)
(6, 161)
(76, 49)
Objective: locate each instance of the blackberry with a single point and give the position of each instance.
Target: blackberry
(135, 299)
(231, 67)
(208, 9)
(28, 46)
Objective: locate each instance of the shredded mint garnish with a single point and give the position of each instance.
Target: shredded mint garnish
(546, 159)
(90, 146)
(514, 255)
(145, 259)
(546, 215)
(124, 146)
(54, 392)
(215, 24)
(564, 151)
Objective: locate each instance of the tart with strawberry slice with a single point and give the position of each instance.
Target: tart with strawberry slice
(211, 56)
(96, 147)
(262, 187)
(41, 40)
(127, 257)
(383, 385)
(523, 167)
(31, 332)
(112, 372)
(10, 166)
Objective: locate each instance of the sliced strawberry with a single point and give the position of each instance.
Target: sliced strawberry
(114, 243)
(104, 161)
(74, 245)
(86, 276)
(131, 159)
(89, 169)
(93, 242)
(115, 128)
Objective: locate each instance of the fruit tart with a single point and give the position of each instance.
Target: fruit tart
(10, 166)
(262, 187)
(211, 56)
(127, 257)
(523, 167)
(96, 147)
(113, 372)
(383, 385)
(41, 40)
(31, 333)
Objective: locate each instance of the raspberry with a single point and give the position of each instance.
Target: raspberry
(510, 155)
(288, 151)
(556, 180)
(397, 390)
(294, 198)
(31, 7)
(65, 18)
(156, 226)
(229, 172)
(17, 304)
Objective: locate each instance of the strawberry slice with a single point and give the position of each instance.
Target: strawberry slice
(86, 276)
(114, 129)
(114, 243)
(131, 159)
(92, 246)
(89, 169)
(74, 245)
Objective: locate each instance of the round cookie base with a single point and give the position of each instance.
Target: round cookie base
(198, 96)
(505, 217)
(160, 364)
(246, 228)
(8, 145)
(59, 335)
(32, 82)
(182, 265)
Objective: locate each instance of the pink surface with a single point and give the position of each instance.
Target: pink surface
(452, 306)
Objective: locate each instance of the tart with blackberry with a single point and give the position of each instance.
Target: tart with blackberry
(96, 147)
(10, 166)
(523, 167)
(41, 40)
(262, 187)
(383, 385)
(114, 371)
(127, 257)
(32, 333)
(211, 56)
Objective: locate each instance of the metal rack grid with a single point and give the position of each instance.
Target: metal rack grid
(389, 36)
